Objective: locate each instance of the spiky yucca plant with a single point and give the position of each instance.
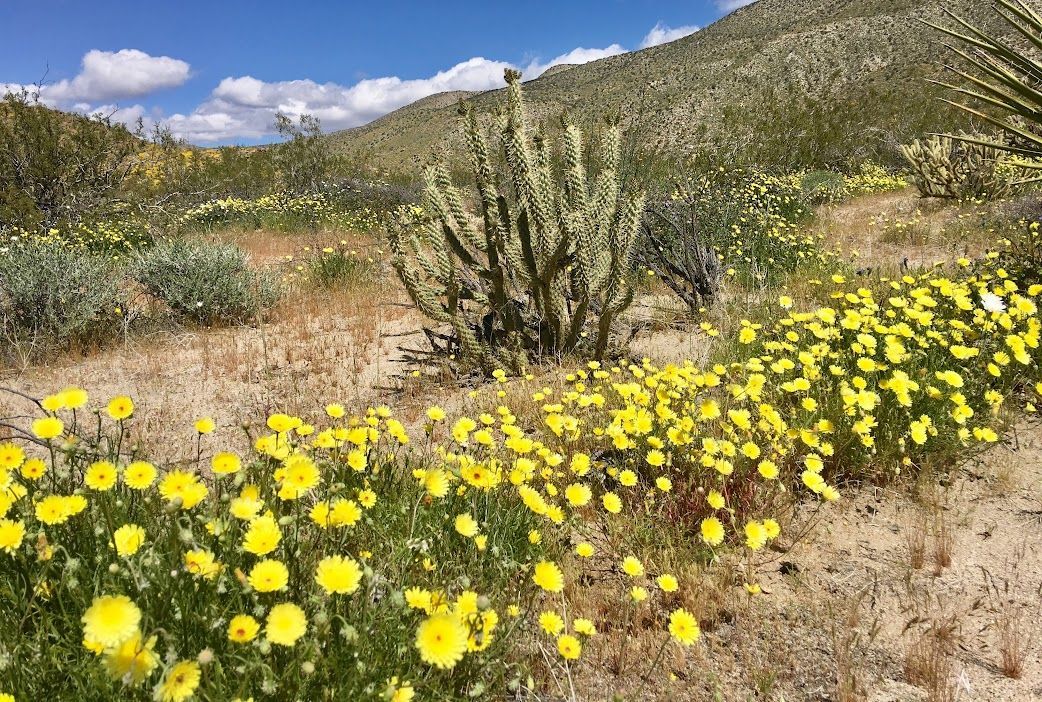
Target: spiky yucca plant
(546, 272)
(1003, 76)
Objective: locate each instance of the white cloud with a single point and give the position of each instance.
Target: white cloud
(731, 5)
(663, 34)
(245, 107)
(110, 75)
(536, 68)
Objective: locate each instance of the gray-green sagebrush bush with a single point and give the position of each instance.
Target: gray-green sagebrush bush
(205, 283)
(54, 296)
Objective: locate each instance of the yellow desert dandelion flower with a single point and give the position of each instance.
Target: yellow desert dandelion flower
(53, 509)
(551, 623)
(53, 403)
(202, 563)
(139, 475)
(74, 397)
(33, 469)
(667, 583)
(242, 628)
(120, 407)
(127, 539)
(183, 485)
(548, 576)
(205, 425)
(584, 627)
(100, 476)
(286, 624)
(435, 413)
(225, 463)
(683, 627)
(578, 494)
(11, 455)
(262, 536)
(569, 647)
(133, 660)
(47, 428)
(11, 535)
(755, 535)
(441, 640)
(338, 575)
(268, 575)
(110, 620)
(466, 526)
(632, 567)
(180, 682)
(712, 531)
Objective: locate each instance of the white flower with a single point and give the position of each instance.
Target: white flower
(992, 302)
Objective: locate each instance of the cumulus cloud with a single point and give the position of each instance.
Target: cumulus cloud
(663, 34)
(536, 68)
(731, 5)
(244, 107)
(113, 75)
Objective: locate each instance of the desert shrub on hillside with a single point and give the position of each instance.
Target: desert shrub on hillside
(205, 283)
(57, 297)
(548, 272)
(57, 167)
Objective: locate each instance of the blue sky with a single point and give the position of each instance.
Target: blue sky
(217, 71)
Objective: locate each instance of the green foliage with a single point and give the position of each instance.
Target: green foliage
(820, 187)
(205, 283)
(1022, 255)
(302, 161)
(58, 297)
(341, 268)
(551, 266)
(958, 167)
(57, 167)
(280, 211)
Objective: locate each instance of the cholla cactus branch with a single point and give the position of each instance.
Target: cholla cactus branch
(550, 273)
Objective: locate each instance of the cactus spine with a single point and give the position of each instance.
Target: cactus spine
(549, 273)
(943, 166)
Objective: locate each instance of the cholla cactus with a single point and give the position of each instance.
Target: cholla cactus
(547, 271)
(960, 167)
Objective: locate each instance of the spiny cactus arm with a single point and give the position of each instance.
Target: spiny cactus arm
(496, 226)
(576, 197)
(450, 195)
(607, 320)
(523, 165)
(422, 259)
(512, 249)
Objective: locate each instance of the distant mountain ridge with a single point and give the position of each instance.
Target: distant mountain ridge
(846, 66)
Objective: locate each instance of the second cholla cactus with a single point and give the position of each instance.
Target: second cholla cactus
(943, 166)
(543, 269)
